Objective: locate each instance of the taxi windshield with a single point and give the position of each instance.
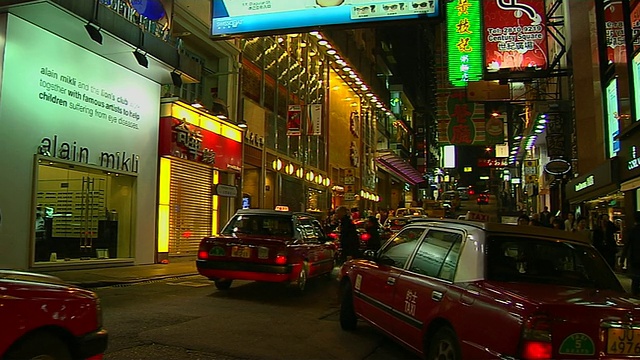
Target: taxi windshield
(531, 260)
(259, 225)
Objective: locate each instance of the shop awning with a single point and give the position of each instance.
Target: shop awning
(399, 167)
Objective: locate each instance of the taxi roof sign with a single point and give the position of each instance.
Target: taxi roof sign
(282, 208)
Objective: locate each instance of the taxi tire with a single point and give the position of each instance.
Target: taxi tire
(40, 345)
(348, 317)
(303, 277)
(443, 345)
(223, 284)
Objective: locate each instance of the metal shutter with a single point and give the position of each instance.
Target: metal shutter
(191, 203)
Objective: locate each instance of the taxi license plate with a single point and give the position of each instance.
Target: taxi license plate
(241, 251)
(623, 341)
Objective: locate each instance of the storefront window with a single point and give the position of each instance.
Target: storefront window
(82, 213)
(316, 200)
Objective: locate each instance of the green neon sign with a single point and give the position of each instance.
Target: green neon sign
(464, 41)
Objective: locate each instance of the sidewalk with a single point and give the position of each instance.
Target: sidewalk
(93, 278)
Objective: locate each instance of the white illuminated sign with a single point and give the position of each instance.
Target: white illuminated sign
(612, 117)
(589, 181)
(449, 156)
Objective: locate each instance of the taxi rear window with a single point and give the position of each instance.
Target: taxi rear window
(531, 260)
(259, 225)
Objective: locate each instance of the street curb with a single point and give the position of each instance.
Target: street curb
(94, 284)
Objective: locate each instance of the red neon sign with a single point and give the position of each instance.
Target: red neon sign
(515, 35)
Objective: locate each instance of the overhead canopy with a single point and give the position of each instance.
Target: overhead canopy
(400, 167)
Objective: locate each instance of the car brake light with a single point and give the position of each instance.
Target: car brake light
(536, 350)
(536, 337)
(203, 254)
(365, 237)
(333, 236)
(281, 259)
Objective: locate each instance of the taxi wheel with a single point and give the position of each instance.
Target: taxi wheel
(39, 346)
(223, 284)
(444, 345)
(348, 317)
(301, 283)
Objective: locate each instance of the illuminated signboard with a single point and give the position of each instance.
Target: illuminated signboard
(612, 117)
(464, 41)
(515, 35)
(493, 162)
(614, 32)
(238, 17)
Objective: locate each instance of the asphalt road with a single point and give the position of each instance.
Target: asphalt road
(188, 318)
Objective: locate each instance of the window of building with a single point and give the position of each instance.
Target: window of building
(82, 213)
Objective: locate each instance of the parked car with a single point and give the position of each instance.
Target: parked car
(451, 198)
(418, 211)
(547, 294)
(395, 223)
(463, 192)
(267, 245)
(45, 318)
(483, 199)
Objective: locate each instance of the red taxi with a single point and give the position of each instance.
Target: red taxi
(267, 245)
(45, 318)
(450, 289)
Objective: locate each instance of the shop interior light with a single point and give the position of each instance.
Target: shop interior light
(141, 58)
(94, 33)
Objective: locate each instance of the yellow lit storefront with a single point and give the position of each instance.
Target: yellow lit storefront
(200, 159)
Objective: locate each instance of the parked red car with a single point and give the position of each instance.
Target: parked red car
(450, 289)
(45, 318)
(267, 245)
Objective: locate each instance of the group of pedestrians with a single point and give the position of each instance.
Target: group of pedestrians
(349, 239)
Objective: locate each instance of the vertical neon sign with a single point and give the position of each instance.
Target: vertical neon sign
(464, 41)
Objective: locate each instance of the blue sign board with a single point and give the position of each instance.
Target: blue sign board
(244, 17)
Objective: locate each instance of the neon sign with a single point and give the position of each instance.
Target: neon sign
(464, 41)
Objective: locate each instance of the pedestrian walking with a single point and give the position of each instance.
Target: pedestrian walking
(545, 217)
(604, 241)
(631, 253)
(570, 223)
(523, 219)
(372, 227)
(349, 242)
(582, 229)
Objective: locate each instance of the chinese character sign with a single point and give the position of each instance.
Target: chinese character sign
(461, 128)
(464, 41)
(614, 29)
(515, 34)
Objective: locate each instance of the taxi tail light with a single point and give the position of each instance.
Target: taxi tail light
(365, 237)
(203, 252)
(281, 259)
(536, 338)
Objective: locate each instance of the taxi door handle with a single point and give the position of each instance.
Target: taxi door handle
(436, 296)
(391, 281)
